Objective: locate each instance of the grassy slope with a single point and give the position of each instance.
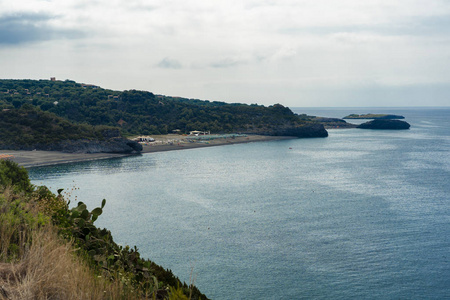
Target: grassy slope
(49, 251)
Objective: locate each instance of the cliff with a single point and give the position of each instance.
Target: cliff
(303, 131)
(113, 145)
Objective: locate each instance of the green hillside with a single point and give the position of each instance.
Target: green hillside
(28, 128)
(141, 112)
(29, 125)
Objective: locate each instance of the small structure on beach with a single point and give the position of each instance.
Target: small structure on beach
(197, 133)
(144, 139)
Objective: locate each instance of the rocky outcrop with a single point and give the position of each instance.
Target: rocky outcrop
(302, 131)
(333, 123)
(112, 145)
(385, 124)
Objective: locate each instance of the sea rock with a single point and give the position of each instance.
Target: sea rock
(385, 124)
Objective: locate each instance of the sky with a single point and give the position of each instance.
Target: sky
(300, 53)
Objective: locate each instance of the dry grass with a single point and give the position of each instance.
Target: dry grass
(12, 225)
(51, 270)
(43, 265)
(37, 263)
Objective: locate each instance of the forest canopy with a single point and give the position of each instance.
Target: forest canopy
(142, 112)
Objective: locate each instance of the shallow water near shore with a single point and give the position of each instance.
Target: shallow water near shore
(361, 214)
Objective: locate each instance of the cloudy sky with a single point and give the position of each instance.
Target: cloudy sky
(293, 52)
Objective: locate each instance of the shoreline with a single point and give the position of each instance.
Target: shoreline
(37, 158)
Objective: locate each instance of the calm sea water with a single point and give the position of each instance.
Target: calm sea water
(361, 214)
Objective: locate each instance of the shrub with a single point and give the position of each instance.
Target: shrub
(11, 174)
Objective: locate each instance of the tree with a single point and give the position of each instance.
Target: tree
(17, 103)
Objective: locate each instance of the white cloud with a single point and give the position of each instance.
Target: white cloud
(234, 50)
(168, 63)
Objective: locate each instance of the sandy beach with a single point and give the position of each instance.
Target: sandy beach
(169, 142)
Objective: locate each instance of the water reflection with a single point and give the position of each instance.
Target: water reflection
(104, 166)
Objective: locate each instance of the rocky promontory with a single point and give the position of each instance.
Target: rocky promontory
(302, 131)
(385, 124)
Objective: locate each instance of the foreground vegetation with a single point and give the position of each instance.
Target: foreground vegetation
(142, 112)
(51, 251)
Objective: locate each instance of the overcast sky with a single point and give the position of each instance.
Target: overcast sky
(293, 52)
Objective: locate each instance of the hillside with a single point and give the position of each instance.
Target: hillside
(28, 128)
(142, 112)
(51, 251)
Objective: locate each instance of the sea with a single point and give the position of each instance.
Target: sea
(361, 214)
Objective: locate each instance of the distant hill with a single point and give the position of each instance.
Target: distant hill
(142, 112)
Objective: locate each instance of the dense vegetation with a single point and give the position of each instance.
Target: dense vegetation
(30, 127)
(51, 251)
(141, 112)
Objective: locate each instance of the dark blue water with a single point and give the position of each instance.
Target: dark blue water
(361, 214)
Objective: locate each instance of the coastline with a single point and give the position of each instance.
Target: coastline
(169, 142)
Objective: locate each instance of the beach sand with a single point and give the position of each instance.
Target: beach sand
(162, 143)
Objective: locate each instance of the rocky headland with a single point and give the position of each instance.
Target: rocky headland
(301, 131)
